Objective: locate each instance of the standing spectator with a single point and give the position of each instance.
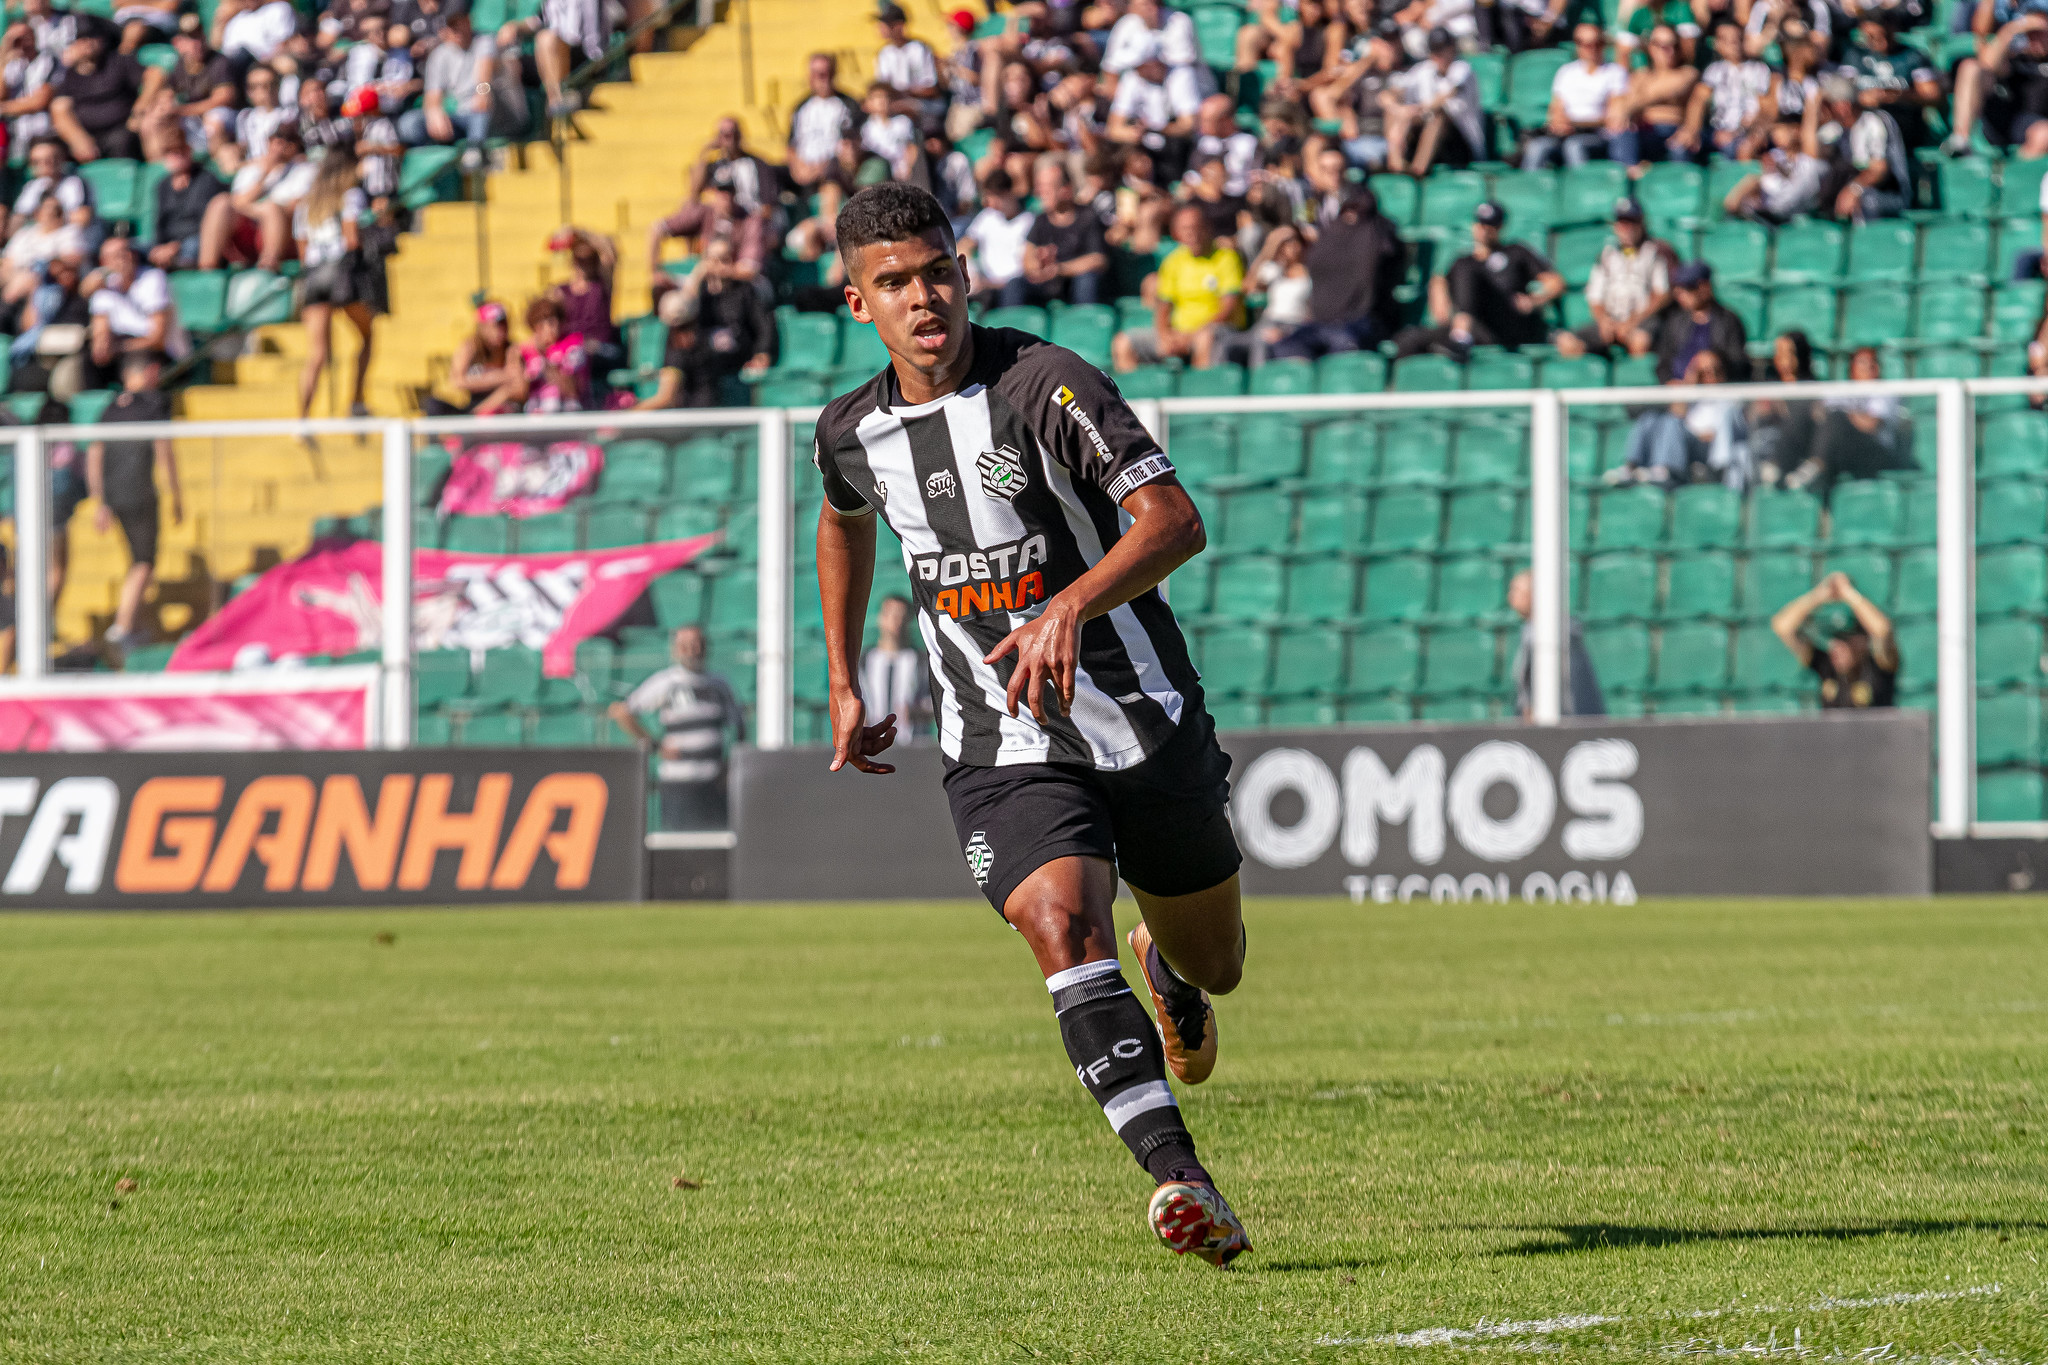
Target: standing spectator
(254, 218)
(994, 240)
(1581, 94)
(587, 301)
(1580, 695)
(122, 477)
(1433, 114)
(327, 227)
(1630, 285)
(1858, 438)
(1155, 108)
(1354, 266)
(1690, 442)
(1893, 77)
(892, 674)
(1492, 296)
(132, 310)
(907, 66)
(1871, 177)
(695, 708)
(720, 330)
(1197, 290)
(1065, 256)
(557, 371)
(819, 122)
(48, 175)
(1859, 668)
(96, 98)
(1733, 86)
(1644, 123)
(182, 198)
(1692, 322)
(196, 104)
(456, 83)
(563, 33)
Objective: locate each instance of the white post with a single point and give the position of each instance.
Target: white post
(773, 604)
(1152, 417)
(32, 604)
(397, 610)
(1955, 549)
(1548, 547)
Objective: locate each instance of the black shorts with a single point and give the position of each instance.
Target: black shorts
(139, 525)
(1165, 823)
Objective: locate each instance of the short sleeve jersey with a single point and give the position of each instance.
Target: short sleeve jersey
(1003, 493)
(1197, 285)
(1869, 686)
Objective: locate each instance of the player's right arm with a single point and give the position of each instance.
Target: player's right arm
(846, 574)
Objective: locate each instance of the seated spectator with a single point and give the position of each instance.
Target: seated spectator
(586, 301)
(1692, 322)
(1353, 98)
(1432, 112)
(1781, 429)
(1421, 20)
(251, 32)
(752, 180)
(818, 123)
(994, 240)
(1218, 137)
(946, 172)
(1789, 176)
(1154, 108)
(1493, 295)
(2006, 87)
(552, 362)
(1640, 30)
(253, 220)
(49, 349)
(889, 135)
(379, 151)
(1354, 265)
(485, 368)
(254, 122)
(1629, 286)
(1306, 47)
(122, 477)
(1787, 21)
(565, 34)
(1065, 257)
(179, 214)
(28, 78)
(319, 128)
(43, 239)
(1142, 208)
(381, 60)
(1281, 275)
(851, 170)
(1643, 123)
(907, 66)
(132, 310)
(1859, 667)
(1697, 442)
(1858, 438)
(1796, 81)
(1580, 695)
(1229, 214)
(1149, 32)
(1519, 25)
(1580, 95)
(1893, 77)
(1871, 177)
(1733, 87)
(720, 330)
(49, 176)
(196, 103)
(714, 217)
(96, 97)
(1198, 289)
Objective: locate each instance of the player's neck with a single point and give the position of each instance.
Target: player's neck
(918, 388)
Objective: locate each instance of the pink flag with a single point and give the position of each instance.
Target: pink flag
(518, 480)
(331, 602)
(314, 716)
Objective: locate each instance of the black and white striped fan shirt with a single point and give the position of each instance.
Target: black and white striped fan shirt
(1003, 493)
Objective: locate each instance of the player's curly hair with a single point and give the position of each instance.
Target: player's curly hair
(889, 212)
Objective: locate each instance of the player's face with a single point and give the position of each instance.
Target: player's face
(915, 292)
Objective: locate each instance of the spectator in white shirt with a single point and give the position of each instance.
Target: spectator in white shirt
(28, 82)
(890, 136)
(1630, 284)
(1579, 97)
(1155, 107)
(132, 310)
(1148, 32)
(43, 239)
(994, 240)
(1433, 113)
(817, 124)
(1734, 86)
(1421, 20)
(892, 674)
(251, 31)
(254, 218)
(1217, 135)
(907, 66)
(254, 124)
(49, 176)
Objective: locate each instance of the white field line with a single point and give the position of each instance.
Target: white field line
(1543, 1327)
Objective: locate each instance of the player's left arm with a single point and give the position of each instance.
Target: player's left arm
(1165, 532)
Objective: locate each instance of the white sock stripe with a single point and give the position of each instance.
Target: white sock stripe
(1139, 1099)
(1074, 976)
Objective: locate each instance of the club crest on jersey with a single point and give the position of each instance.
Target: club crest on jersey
(980, 858)
(1002, 473)
(1063, 399)
(940, 485)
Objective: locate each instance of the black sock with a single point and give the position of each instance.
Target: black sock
(1116, 1054)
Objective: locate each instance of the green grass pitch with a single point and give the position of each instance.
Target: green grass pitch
(1785, 1130)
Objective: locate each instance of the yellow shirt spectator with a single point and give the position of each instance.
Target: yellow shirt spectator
(1195, 286)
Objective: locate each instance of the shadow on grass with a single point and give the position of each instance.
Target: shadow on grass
(1569, 1237)
(1332, 1263)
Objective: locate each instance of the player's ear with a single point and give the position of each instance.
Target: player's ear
(856, 305)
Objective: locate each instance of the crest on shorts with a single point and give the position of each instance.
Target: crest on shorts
(1002, 472)
(980, 857)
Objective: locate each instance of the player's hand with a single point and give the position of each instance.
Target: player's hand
(857, 743)
(1048, 650)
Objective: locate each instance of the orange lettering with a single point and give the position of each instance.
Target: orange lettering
(1031, 588)
(290, 799)
(949, 602)
(974, 597)
(344, 822)
(574, 849)
(999, 596)
(434, 829)
(142, 868)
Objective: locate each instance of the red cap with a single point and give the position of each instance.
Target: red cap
(360, 102)
(962, 20)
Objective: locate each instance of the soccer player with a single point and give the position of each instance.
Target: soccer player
(1076, 744)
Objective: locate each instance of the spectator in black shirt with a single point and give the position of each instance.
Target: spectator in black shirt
(1695, 321)
(719, 329)
(196, 103)
(122, 476)
(1354, 266)
(1065, 256)
(1485, 298)
(181, 200)
(1208, 186)
(96, 98)
(1859, 667)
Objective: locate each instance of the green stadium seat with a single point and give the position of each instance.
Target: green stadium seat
(1583, 372)
(1342, 453)
(1575, 251)
(1884, 250)
(1876, 314)
(681, 521)
(1869, 570)
(1449, 197)
(2016, 310)
(1202, 450)
(1397, 589)
(1257, 519)
(1763, 664)
(1187, 589)
(1148, 381)
(1621, 657)
(493, 730)
(1300, 713)
(1216, 29)
(1739, 252)
(1278, 378)
(1399, 196)
(790, 393)
(1500, 370)
(1766, 704)
(1955, 250)
(1751, 303)
(1237, 713)
(1628, 518)
(1966, 188)
(1944, 362)
(860, 346)
(1705, 516)
(1915, 589)
(1530, 75)
(1384, 659)
(2013, 444)
(596, 660)
(704, 470)
(1490, 75)
(431, 730)
(2011, 510)
(1457, 661)
(1413, 453)
(636, 469)
(549, 533)
(1427, 374)
(1769, 581)
(1808, 251)
(1586, 194)
(566, 730)
(1619, 587)
(1271, 445)
(1779, 517)
(1322, 588)
(1234, 659)
(1463, 710)
(1308, 662)
(2019, 193)
(1692, 658)
(1635, 371)
(1471, 588)
(1687, 704)
(1488, 455)
(1218, 381)
(1812, 307)
(2009, 728)
(259, 298)
(2009, 652)
(609, 525)
(1723, 175)
(1484, 519)
(1865, 512)
(1950, 312)
(1673, 189)
(1333, 519)
(1352, 371)
(478, 535)
(1917, 521)
(114, 190)
(677, 598)
(1086, 329)
(1700, 585)
(1248, 587)
(1024, 319)
(2010, 795)
(2016, 237)
(510, 676)
(1405, 520)
(1916, 640)
(810, 341)
(1530, 198)
(2012, 579)
(440, 675)
(1376, 710)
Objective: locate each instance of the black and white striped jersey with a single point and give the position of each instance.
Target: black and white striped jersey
(1003, 493)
